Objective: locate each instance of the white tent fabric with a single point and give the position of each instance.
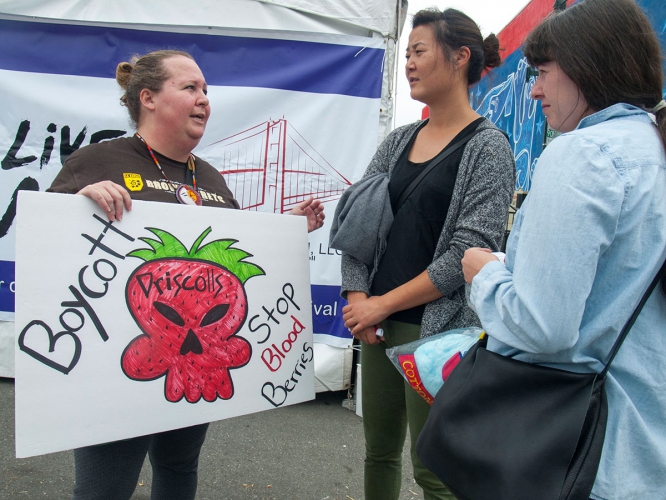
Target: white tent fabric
(351, 17)
(365, 18)
(375, 15)
(7, 349)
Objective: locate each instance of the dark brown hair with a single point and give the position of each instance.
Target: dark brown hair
(609, 50)
(454, 30)
(143, 72)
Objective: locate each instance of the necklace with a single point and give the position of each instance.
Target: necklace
(185, 194)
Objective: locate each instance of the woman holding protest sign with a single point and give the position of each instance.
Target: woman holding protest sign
(166, 97)
(416, 288)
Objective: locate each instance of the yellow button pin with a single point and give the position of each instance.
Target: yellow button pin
(134, 182)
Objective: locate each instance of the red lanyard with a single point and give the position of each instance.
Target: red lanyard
(190, 164)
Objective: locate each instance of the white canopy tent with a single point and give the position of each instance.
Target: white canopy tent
(379, 21)
(352, 17)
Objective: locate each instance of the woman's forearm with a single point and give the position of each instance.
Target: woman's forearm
(415, 292)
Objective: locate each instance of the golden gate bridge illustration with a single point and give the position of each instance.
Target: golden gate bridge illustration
(272, 167)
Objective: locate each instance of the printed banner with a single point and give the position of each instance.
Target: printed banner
(177, 315)
(290, 118)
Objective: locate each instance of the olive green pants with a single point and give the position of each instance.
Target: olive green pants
(390, 405)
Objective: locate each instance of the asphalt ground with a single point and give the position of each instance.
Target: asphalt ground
(310, 451)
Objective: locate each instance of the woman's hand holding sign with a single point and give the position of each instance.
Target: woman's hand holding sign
(111, 198)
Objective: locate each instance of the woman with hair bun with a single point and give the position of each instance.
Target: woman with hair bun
(416, 289)
(166, 97)
(591, 234)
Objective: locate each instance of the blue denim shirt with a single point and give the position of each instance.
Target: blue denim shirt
(586, 243)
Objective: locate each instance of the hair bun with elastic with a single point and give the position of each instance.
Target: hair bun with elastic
(491, 48)
(123, 73)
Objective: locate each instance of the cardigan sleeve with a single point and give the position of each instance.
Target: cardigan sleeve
(486, 193)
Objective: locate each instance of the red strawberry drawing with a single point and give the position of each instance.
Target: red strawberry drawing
(189, 305)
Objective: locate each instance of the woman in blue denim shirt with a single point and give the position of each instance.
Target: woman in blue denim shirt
(592, 233)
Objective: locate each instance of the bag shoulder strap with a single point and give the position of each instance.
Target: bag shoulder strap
(630, 322)
(434, 162)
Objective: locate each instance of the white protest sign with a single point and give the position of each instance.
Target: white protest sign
(175, 316)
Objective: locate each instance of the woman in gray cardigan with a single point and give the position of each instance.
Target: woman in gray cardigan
(417, 287)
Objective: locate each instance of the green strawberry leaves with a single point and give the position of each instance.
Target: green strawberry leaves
(217, 251)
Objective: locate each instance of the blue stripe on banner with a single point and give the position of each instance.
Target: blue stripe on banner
(225, 60)
(327, 311)
(6, 286)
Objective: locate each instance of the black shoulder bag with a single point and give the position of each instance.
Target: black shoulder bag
(502, 429)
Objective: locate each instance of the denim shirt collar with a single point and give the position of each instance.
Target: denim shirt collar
(620, 110)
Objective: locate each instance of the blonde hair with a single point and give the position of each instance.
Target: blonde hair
(143, 72)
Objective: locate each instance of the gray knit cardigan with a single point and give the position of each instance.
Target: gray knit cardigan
(476, 218)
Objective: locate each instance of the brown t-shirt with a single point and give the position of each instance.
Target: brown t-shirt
(126, 161)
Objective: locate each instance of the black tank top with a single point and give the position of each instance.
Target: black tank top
(418, 222)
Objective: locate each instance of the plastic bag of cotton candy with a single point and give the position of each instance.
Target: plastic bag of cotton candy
(426, 363)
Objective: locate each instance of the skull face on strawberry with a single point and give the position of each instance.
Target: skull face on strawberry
(189, 304)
